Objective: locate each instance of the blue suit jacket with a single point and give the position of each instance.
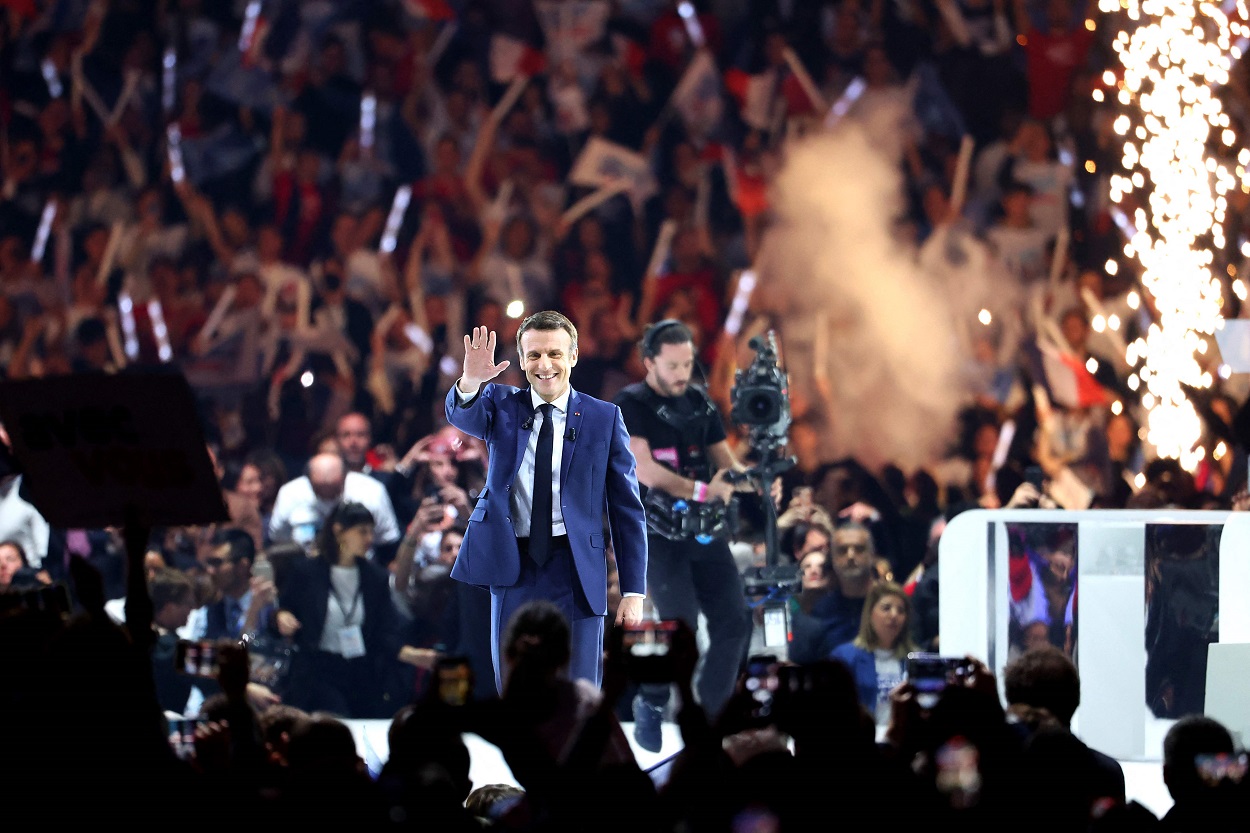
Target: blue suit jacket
(597, 477)
(864, 666)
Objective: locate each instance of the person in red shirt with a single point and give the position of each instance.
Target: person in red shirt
(1053, 55)
(670, 40)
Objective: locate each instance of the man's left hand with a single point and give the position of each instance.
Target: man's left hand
(629, 611)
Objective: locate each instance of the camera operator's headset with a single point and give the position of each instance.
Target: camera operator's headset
(648, 345)
(650, 348)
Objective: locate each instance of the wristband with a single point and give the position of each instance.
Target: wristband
(700, 492)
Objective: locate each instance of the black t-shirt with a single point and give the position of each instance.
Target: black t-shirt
(679, 429)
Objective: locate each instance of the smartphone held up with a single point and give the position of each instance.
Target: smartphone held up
(931, 673)
(196, 658)
(648, 650)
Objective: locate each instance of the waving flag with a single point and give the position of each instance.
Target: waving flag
(603, 163)
(697, 96)
(572, 25)
(510, 57)
(754, 95)
(1071, 383)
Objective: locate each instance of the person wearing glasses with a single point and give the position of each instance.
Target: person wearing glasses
(245, 602)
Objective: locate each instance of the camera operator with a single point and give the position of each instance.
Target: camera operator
(678, 438)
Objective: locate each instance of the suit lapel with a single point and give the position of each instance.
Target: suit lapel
(572, 428)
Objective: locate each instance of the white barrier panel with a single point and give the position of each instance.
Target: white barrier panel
(1109, 643)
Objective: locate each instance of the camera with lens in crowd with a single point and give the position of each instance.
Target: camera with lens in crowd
(760, 398)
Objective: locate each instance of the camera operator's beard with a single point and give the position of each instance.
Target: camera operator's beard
(664, 389)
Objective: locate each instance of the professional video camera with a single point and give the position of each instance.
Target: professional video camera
(761, 396)
(760, 400)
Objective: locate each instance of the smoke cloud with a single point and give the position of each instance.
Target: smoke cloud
(867, 337)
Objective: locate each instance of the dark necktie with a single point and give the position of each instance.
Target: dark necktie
(540, 508)
(233, 609)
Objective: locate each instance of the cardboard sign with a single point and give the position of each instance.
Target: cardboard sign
(604, 163)
(92, 446)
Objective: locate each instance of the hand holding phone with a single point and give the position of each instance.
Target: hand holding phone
(182, 736)
(454, 678)
(1213, 769)
(647, 650)
(196, 658)
(929, 674)
(762, 682)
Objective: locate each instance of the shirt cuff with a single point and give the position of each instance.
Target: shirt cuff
(633, 595)
(463, 397)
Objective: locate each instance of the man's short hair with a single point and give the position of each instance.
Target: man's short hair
(546, 320)
(1193, 735)
(668, 331)
(242, 545)
(854, 526)
(1044, 677)
(169, 586)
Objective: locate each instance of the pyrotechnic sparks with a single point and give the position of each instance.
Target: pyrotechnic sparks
(1174, 55)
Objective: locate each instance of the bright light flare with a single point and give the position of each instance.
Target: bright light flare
(1174, 57)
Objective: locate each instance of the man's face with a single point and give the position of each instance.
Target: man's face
(852, 555)
(669, 372)
(353, 435)
(548, 357)
(227, 575)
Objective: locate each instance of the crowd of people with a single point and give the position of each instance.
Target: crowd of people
(84, 716)
(303, 207)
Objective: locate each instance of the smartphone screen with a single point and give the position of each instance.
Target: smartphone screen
(455, 680)
(1213, 769)
(647, 646)
(196, 659)
(761, 682)
(928, 675)
(776, 624)
(182, 736)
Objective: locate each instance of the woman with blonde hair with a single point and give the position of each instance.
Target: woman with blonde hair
(878, 654)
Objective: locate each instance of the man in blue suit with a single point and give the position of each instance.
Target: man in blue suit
(556, 455)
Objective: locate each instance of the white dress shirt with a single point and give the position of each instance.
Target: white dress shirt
(297, 494)
(523, 486)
